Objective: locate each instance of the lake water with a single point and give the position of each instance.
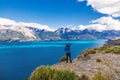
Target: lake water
(19, 59)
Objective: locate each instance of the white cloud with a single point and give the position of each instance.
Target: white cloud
(80, 0)
(36, 25)
(4, 21)
(101, 24)
(110, 7)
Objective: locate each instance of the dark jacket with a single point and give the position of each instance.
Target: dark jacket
(67, 49)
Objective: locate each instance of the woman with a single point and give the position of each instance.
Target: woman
(68, 53)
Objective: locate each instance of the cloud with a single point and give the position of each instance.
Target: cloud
(5, 21)
(102, 24)
(109, 7)
(80, 0)
(36, 25)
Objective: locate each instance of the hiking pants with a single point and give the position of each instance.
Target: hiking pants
(68, 57)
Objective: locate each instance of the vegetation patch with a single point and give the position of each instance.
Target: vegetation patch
(87, 52)
(116, 50)
(84, 77)
(98, 60)
(103, 76)
(103, 49)
(99, 76)
(50, 73)
(63, 58)
(109, 49)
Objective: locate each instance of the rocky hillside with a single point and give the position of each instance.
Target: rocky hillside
(113, 42)
(105, 60)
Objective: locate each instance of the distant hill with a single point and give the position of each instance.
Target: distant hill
(113, 42)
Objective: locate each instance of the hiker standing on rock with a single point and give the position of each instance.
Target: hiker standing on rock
(68, 53)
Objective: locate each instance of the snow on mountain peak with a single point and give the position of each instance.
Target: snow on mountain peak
(63, 30)
(36, 25)
(22, 27)
(5, 21)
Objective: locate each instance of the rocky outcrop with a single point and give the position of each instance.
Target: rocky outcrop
(90, 66)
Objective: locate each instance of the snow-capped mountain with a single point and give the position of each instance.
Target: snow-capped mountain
(43, 34)
(16, 33)
(63, 30)
(29, 33)
(87, 34)
(20, 31)
(102, 28)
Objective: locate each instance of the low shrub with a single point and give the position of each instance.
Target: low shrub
(104, 76)
(98, 60)
(50, 73)
(99, 76)
(108, 50)
(84, 77)
(89, 51)
(116, 50)
(63, 58)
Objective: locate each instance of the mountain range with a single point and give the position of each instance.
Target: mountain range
(29, 33)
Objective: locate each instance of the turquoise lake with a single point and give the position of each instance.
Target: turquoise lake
(19, 59)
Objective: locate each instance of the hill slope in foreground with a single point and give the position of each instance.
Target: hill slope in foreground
(101, 63)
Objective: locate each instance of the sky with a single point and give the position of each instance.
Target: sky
(57, 13)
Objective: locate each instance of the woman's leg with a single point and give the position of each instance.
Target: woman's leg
(70, 58)
(67, 57)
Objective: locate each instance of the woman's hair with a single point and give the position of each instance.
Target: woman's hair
(67, 44)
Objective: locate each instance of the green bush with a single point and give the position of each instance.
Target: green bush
(89, 51)
(116, 50)
(113, 49)
(84, 77)
(108, 50)
(104, 49)
(50, 73)
(99, 76)
(63, 58)
(98, 60)
(104, 76)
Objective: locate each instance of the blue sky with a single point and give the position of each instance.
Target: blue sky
(54, 13)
